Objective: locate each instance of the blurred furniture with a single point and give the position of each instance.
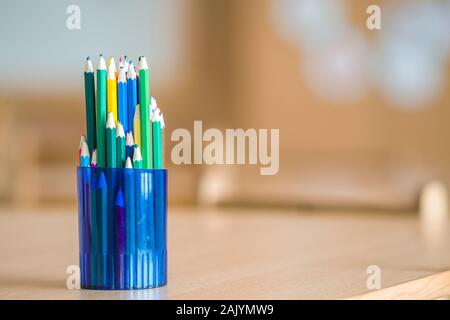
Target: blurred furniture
(39, 141)
(243, 254)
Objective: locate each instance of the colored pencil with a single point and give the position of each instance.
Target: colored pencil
(94, 158)
(158, 125)
(112, 93)
(84, 156)
(85, 226)
(101, 112)
(120, 241)
(111, 179)
(125, 59)
(128, 163)
(82, 139)
(103, 228)
(111, 152)
(122, 104)
(121, 63)
(138, 67)
(137, 126)
(130, 221)
(89, 90)
(120, 146)
(112, 63)
(131, 95)
(153, 106)
(95, 232)
(146, 128)
(137, 158)
(129, 145)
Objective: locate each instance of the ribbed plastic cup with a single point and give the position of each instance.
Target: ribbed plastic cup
(122, 216)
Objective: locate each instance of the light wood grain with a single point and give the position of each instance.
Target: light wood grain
(436, 286)
(241, 254)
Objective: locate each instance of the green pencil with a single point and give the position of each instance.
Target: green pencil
(137, 158)
(111, 157)
(89, 90)
(120, 142)
(146, 128)
(101, 111)
(158, 125)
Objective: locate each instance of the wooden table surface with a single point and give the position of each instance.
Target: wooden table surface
(242, 254)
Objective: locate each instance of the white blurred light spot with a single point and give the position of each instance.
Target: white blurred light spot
(410, 55)
(434, 216)
(407, 74)
(434, 203)
(338, 74)
(215, 185)
(423, 23)
(310, 23)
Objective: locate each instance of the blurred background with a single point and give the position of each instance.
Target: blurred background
(363, 114)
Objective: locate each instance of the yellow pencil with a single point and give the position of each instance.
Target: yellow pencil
(111, 92)
(137, 126)
(112, 63)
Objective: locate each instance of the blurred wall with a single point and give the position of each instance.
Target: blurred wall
(348, 135)
(358, 149)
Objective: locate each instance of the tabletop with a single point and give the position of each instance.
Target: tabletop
(243, 254)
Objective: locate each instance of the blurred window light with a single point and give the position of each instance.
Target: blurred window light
(406, 63)
(339, 73)
(426, 23)
(311, 24)
(410, 60)
(406, 74)
(35, 36)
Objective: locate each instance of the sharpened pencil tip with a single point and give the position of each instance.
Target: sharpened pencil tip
(129, 139)
(143, 65)
(102, 181)
(84, 150)
(137, 154)
(120, 132)
(119, 200)
(101, 63)
(128, 164)
(110, 123)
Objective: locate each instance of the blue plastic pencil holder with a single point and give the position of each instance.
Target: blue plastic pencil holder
(122, 216)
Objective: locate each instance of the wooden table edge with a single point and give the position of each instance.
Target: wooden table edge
(430, 287)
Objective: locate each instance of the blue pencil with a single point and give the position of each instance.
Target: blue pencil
(129, 145)
(130, 227)
(137, 79)
(140, 230)
(131, 95)
(86, 249)
(103, 228)
(120, 241)
(94, 232)
(84, 155)
(111, 180)
(81, 222)
(122, 100)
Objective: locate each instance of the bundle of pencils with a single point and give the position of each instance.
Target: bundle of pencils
(122, 119)
(122, 199)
